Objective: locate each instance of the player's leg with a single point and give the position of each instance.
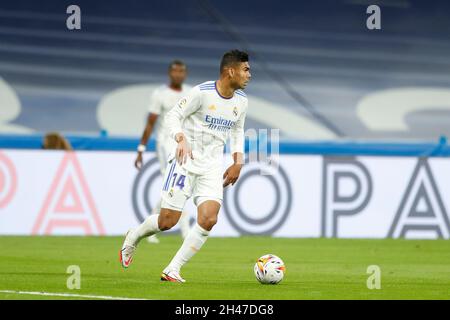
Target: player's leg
(176, 190)
(156, 210)
(183, 221)
(208, 210)
(155, 223)
(167, 148)
(161, 153)
(184, 224)
(208, 199)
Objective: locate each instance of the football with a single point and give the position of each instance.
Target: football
(269, 269)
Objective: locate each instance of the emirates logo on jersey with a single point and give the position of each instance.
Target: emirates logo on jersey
(219, 124)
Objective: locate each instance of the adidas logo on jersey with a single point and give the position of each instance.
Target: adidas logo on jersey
(182, 102)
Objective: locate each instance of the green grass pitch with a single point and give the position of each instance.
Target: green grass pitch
(223, 269)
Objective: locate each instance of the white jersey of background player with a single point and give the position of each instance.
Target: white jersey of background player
(162, 100)
(200, 123)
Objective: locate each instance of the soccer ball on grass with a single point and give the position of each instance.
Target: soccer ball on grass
(269, 269)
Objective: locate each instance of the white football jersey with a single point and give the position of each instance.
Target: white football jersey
(207, 120)
(162, 100)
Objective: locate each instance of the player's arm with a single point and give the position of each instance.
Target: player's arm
(232, 173)
(151, 119)
(155, 109)
(237, 139)
(174, 119)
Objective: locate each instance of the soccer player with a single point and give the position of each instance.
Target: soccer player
(200, 123)
(162, 100)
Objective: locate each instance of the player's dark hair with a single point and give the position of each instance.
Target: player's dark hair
(176, 63)
(232, 57)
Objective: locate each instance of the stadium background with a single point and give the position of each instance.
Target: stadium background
(309, 55)
(363, 118)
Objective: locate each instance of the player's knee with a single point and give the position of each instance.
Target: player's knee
(166, 224)
(208, 222)
(166, 221)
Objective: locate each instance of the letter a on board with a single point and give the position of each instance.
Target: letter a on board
(68, 207)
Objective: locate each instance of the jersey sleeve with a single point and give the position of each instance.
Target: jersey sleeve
(237, 137)
(183, 109)
(155, 105)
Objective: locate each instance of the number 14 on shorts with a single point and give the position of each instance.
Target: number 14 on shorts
(173, 179)
(179, 182)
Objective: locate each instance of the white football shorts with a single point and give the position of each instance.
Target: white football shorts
(179, 185)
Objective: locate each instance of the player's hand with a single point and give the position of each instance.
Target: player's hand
(232, 174)
(138, 162)
(183, 149)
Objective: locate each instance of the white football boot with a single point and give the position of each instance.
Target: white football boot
(127, 251)
(171, 276)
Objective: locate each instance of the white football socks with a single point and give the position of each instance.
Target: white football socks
(156, 210)
(145, 229)
(191, 245)
(184, 224)
(183, 221)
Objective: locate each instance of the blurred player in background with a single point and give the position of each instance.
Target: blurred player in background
(200, 123)
(162, 100)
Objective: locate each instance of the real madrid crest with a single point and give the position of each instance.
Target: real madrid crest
(235, 111)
